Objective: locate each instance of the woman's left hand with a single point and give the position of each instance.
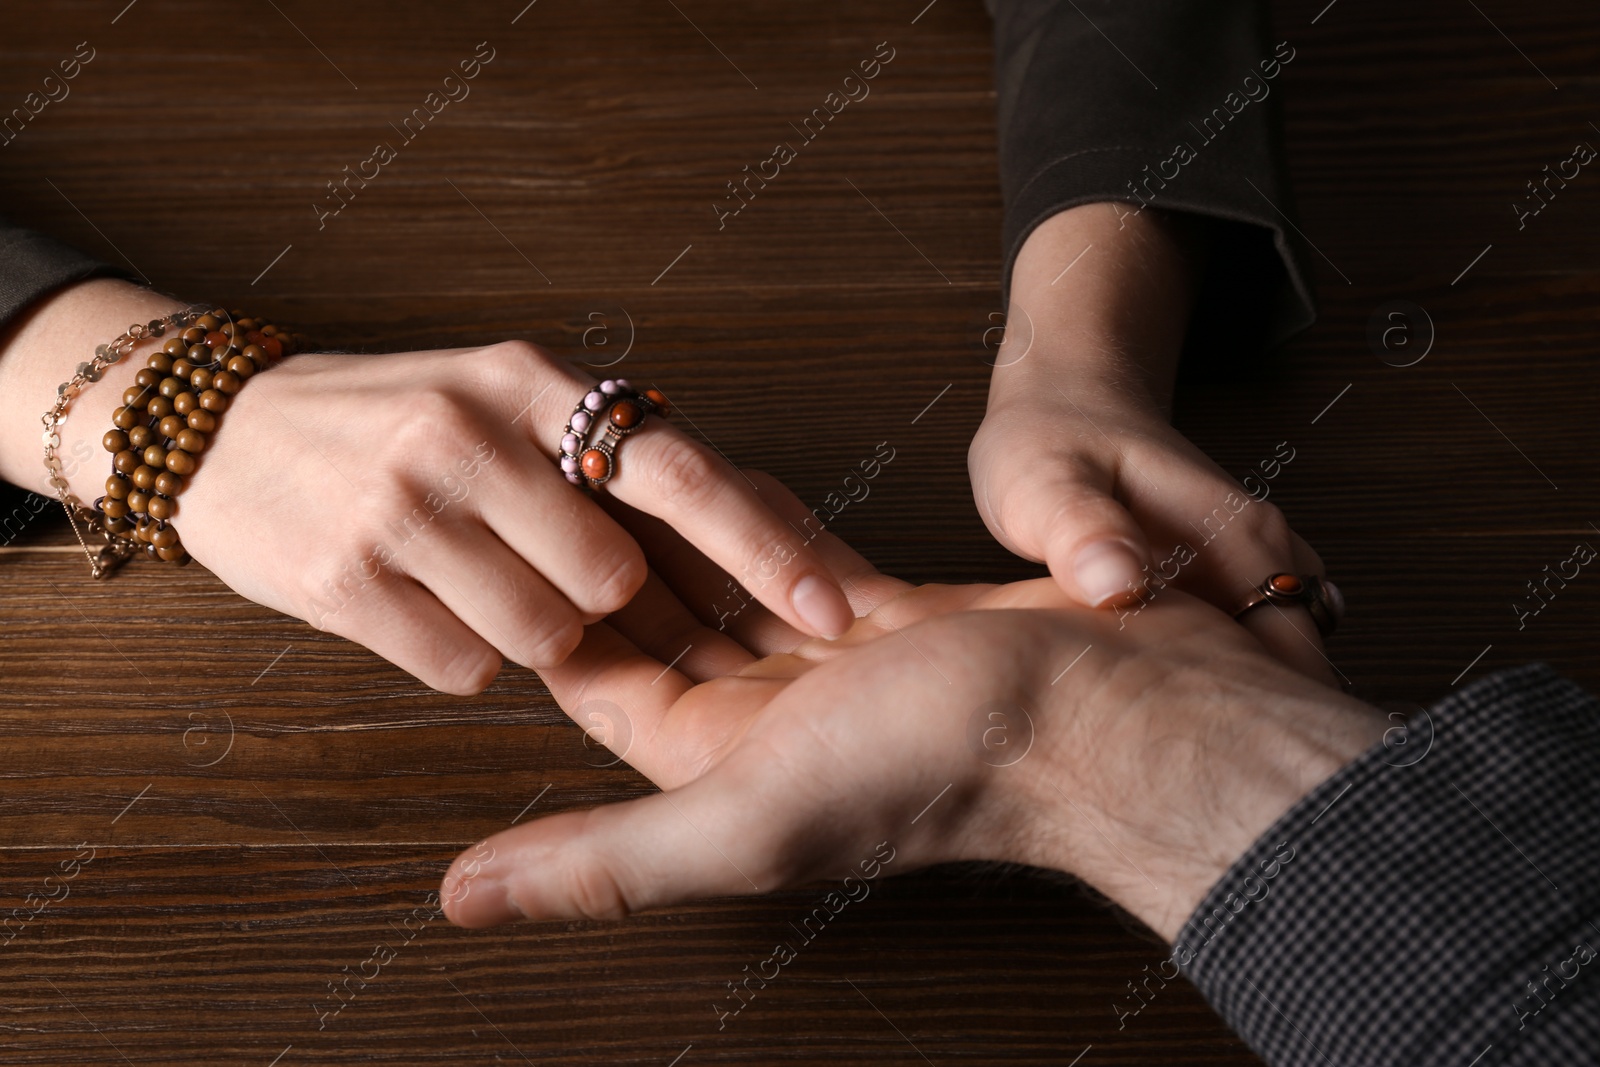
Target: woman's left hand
(1098, 485)
(1076, 465)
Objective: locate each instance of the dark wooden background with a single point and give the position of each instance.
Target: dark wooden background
(268, 803)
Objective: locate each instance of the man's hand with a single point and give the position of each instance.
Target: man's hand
(972, 722)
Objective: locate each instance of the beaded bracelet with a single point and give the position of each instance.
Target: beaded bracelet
(114, 551)
(161, 426)
(591, 466)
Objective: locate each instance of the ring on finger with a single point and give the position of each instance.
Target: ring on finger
(1320, 597)
(589, 460)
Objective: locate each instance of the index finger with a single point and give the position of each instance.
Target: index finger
(719, 602)
(718, 510)
(700, 494)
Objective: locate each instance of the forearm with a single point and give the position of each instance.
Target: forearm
(1100, 299)
(1190, 772)
(40, 349)
(1432, 900)
(1342, 887)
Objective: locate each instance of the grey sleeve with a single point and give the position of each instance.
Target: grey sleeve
(1170, 104)
(1436, 902)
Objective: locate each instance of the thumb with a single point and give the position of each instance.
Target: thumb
(1069, 518)
(724, 834)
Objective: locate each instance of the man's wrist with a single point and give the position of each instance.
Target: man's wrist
(1158, 797)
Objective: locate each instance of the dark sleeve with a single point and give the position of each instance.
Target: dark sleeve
(1164, 103)
(32, 265)
(1436, 902)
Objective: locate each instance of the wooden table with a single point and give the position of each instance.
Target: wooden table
(267, 805)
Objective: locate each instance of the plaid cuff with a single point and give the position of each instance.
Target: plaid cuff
(1435, 902)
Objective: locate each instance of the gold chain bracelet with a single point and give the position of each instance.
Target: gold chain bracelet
(164, 422)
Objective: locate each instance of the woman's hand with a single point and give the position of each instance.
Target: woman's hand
(411, 502)
(971, 722)
(1075, 464)
(1120, 506)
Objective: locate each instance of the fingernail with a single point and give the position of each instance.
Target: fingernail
(1106, 569)
(478, 902)
(821, 606)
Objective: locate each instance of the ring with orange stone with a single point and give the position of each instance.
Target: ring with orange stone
(1320, 597)
(615, 409)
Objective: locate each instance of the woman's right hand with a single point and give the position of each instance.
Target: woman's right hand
(410, 502)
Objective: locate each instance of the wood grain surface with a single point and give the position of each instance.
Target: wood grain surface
(267, 804)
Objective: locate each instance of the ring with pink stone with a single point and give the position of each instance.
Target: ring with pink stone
(615, 405)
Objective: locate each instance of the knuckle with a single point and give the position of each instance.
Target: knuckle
(593, 891)
(1012, 514)
(684, 473)
(552, 643)
(1040, 511)
(980, 451)
(336, 592)
(511, 367)
(781, 865)
(1312, 556)
(1014, 511)
(375, 494)
(617, 579)
(768, 560)
(435, 416)
(1269, 524)
(463, 671)
(511, 357)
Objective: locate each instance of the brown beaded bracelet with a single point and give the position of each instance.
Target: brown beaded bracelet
(114, 550)
(162, 425)
(168, 412)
